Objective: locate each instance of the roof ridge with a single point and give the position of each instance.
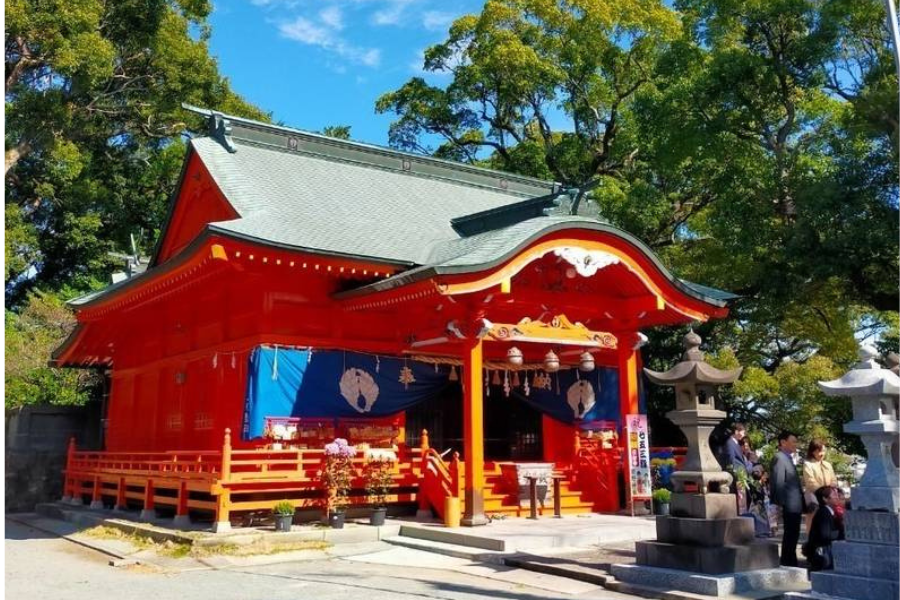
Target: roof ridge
(298, 140)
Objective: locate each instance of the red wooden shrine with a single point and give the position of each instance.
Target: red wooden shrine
(279, 237)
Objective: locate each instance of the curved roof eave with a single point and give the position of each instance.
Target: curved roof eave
(224, 232)
(428, 271)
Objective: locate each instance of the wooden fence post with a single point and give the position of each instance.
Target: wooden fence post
(456, 481)
(96, 496)
(423, 470)
(121, 502)
(182, 519)
(223, 500)
(148, 513)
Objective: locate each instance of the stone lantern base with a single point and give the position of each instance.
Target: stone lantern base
(866, 565)
(708, 546)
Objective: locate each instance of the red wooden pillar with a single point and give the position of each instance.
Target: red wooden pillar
(148, 513)
(628, 401)
(96, 496)
(181, 508)
(223, 498)
(473, 418)
(455, 480)
(121, 502)
(423, 511)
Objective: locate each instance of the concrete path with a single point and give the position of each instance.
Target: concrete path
(42, 565)
(573, 531)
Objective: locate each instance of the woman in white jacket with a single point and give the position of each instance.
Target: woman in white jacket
(817, 472)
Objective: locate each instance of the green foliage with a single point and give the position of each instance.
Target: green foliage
(341, 132)
(283, 509)
(662, 496)
(31, 336)
(95, 139)
(753, 145)
(94, 130)
(379, 478)
(518, 62)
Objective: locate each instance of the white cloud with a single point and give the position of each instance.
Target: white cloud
(434, 20)
(306, 32)
(393, 14)
(371, 57)
(333, 17)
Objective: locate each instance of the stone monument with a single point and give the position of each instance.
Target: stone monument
(867, 563)
(704, 546)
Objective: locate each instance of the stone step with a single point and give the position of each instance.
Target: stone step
(854, 587)
(474, 554)
(866, 560)
(762, 583)
(450, 536)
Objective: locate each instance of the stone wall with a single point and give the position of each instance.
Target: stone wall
(37, 438)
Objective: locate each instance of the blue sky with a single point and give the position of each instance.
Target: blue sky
(314, 63)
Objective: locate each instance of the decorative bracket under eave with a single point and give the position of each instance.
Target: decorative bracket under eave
(558, 331)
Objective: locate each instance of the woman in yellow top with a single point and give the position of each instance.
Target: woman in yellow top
(817, 472)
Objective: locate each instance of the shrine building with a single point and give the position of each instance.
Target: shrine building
(306, 288)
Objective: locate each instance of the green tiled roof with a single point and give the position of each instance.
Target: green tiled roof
(305, 191)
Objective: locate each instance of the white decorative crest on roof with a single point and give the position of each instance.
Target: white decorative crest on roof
(586, 262)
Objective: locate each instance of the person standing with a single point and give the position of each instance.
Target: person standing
(825, 529)
(817, 473)
(735, 462)
(734, 455)
(787, 495)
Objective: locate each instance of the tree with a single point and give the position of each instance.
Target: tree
(94, 136)
(31, 335)
(95, 139)
(518, 63)
(753, 145)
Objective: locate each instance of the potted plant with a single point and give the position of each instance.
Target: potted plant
(336, 475)
(379, 478)
(661, 499)
(284, 515)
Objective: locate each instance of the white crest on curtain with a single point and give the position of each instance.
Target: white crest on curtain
(581, 398)
(356, 383)
(586, 262)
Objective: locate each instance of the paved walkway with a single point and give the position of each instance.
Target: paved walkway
(575, 531)
(41, 565)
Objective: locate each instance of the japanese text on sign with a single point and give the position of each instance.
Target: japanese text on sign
(639, 456)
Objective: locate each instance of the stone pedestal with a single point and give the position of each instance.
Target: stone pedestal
(761, 583)
(704, 547)
(867, 563)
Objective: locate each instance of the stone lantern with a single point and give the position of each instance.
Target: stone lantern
(699, 481)
(704, 547)
(867, 563)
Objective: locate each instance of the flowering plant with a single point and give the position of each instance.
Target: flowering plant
(337, 474)
(379, 479)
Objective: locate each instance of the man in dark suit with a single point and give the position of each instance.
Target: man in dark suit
(735, 462)
(787, 494)
(824, 530)
(734, 455)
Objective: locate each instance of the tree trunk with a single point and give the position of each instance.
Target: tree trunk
(13, 155)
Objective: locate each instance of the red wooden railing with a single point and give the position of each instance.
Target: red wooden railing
(595, 470)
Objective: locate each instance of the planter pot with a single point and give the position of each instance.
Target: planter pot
(283, 522)
(336, 520)
(660, 508)
(377, 517)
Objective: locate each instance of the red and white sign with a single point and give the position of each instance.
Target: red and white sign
(639, 456)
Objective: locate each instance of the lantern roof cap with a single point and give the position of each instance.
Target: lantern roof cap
(693, 368)
(866, 378)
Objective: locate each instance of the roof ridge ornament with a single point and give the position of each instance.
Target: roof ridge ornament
(220, 130)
